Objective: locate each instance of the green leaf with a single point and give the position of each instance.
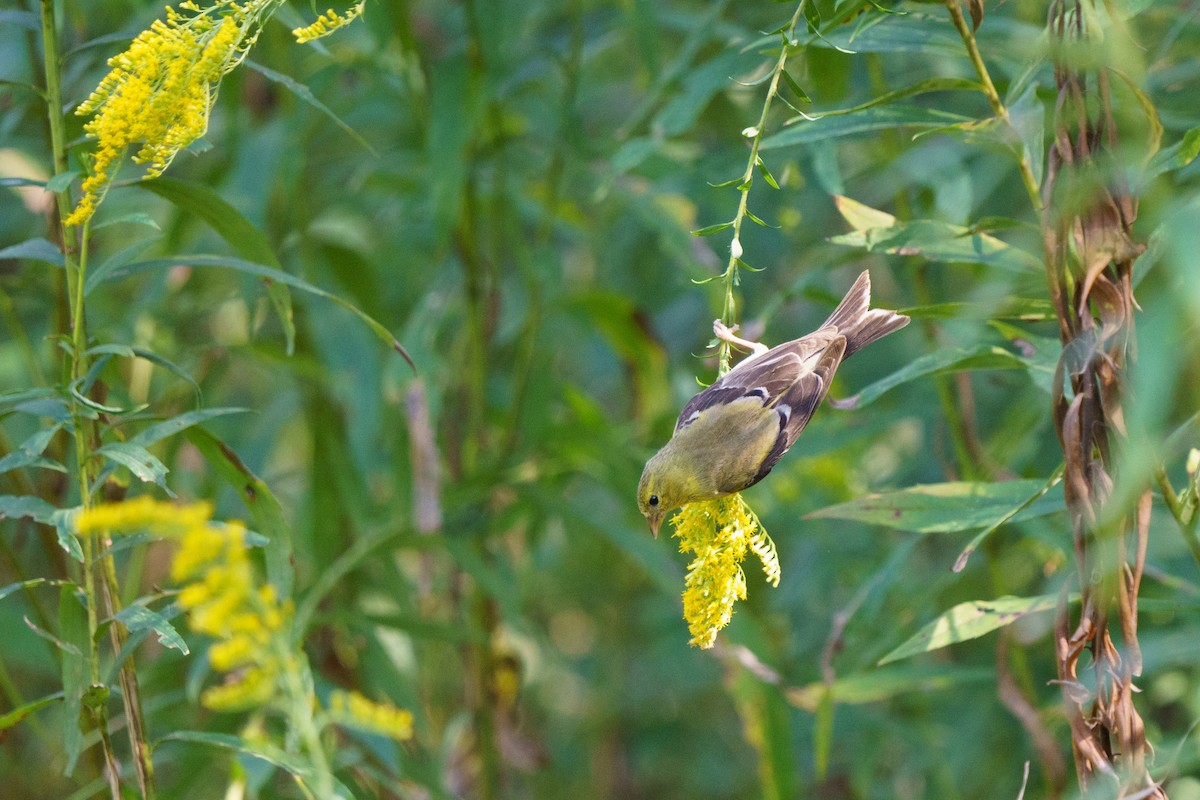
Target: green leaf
(275, 276)
(63, 520)
(305, 94)
(961, 562)
(862, 217)
(948, 507)
(970, 621)
(949, 359)
(940, 241)
(21, 459)
(757, 221)
(1175, 156)
(17, 506)
(137, 618)
(878, 685)
(174, 425)
(138, 460)
(247, 241)
(118, 259)
(921, 87)
(726, 184)
(795, 87)
(265, 510)
(924, 34)
(767, 176)
(62, 181)
(711, 229)
(29, 452)
(1149, 112)
(72, 626)
(871, 120)
(5, 591)
(259, 749)
(24, 19)
(1030, 309)
(35, 250)
(21, 712)
(132, 218)
(126, 351)
(812, 17)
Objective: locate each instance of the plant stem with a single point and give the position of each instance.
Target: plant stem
(70, 245)
(75, 254)
(730, 277)
(1186, 520)
(993, 97)
(300, 702)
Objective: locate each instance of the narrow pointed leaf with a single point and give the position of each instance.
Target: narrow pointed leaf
(970, 621)
(947, 507)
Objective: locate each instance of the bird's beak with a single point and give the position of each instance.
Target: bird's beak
(655, 521)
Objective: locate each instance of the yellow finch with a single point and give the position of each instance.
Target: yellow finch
(729, 436)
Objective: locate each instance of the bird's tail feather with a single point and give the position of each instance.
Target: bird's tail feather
(858, 322)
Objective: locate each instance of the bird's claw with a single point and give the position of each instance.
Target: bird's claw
(725, 333)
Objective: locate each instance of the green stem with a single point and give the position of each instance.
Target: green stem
(70, 244)
(75, 254)
(300, 703)
(993, 97)
(730, 276)
(1186, 520)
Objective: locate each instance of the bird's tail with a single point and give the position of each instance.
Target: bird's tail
(858, 322)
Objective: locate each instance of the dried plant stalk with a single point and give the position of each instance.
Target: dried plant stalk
(1090, 251)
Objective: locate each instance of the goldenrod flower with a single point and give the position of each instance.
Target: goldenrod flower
(251, 688)
(142, 513)
(720, 532)
(355, 710)
(327, 23)
(221, 593)
(161, 90)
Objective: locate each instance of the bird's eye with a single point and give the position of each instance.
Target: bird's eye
(653, 500)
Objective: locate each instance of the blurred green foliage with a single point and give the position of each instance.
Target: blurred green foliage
(517, 209)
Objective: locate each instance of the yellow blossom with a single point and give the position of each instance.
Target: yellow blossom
(220, 591)
(251, 688)
(141, 513)
(160, 90)
(327, 23)
(354, 709)
(720, 532)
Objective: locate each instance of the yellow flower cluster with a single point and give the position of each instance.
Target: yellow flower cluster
(355, 710)
(224, 601)
(160, 91)
(720, 532)
(327, 23)
(142, 513)
(221, 593)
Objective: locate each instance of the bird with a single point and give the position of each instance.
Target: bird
(733, 433)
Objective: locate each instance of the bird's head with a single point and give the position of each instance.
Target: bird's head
(662, 489)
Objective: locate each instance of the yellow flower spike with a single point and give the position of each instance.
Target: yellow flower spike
(354, 709)
(327, 23)
(141, 513)
(252, 688)
(720, 532)
(160, 91)
(231, 653)
(222, 595)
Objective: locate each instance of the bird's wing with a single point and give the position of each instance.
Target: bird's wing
(796, 405)
(791, 378)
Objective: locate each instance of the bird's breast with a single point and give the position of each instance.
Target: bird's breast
(730, 442)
